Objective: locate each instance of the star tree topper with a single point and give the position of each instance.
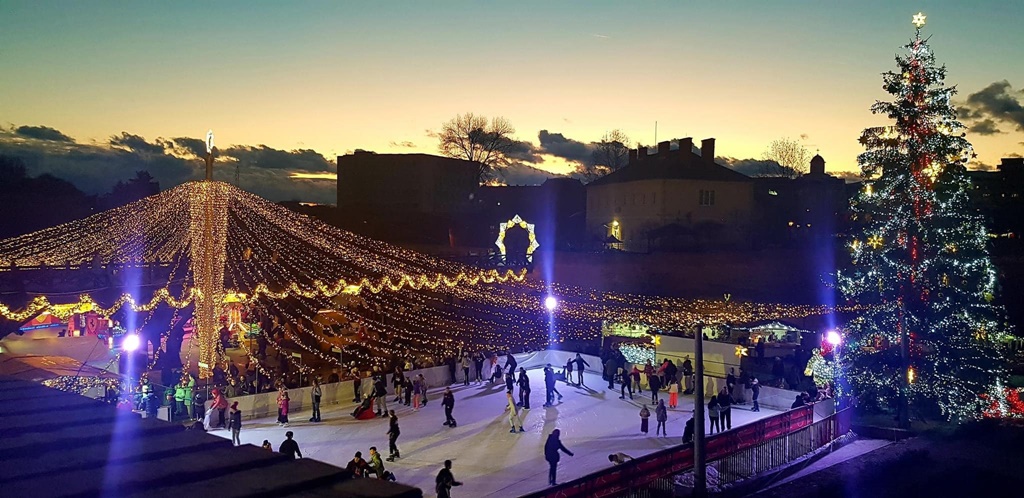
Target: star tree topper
(919, 20)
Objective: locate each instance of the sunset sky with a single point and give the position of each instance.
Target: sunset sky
(337, 76)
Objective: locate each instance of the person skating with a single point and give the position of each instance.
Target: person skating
(289, 446)
(755, 392)
(407, 390)
(688, 431)
(644, 415)
(478, 362)
(317, 393)
(524, 389)
(610, 371)
(655, 385)
(549, 386)
(393, 433)
(417, 391)
(448, 402)
(510, 363)
(714, 415)
(357, 384)
(568, 371)
(513, 413)
(357, 466)
(671, 372)
(445, 480)
(725, 407)
(661, 414)
(423, 389)
(282, 406)
(510, 380)
(466, 362)
(580, 363)
(688, 375)
(398, 382)
(673, 394)
(220, 403)
(496, 374)
(380, 395)
(551, 448)
(627, 384)
(634, 376)
(236, 424)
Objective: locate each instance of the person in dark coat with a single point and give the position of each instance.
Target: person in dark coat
(670, 372)
(393, 433)
(524, 389)
(380, 395)
(568, 371)
(661, 414)
(289, 446)
(799, 401)
(549, 386)
(551, 448)
(449, 404)
(755, 391)
(778, 371)
(655, 384)
(478, 363)
(445, 480)
(627, 384)
(610, 371)
(688, 432)
(725, 408)
(510, 363)
(510, 381)
(451, 369)
(580, 363)
(688, 375)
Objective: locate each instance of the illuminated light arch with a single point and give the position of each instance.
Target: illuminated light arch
(529, 227)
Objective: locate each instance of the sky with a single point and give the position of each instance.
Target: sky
(325, 78)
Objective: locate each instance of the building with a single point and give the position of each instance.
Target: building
(999, 195)
(557, 209)
(812, 206)
(404, 198)
(404, 183)
(671, 200)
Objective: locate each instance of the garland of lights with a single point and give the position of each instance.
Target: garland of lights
(514, 222)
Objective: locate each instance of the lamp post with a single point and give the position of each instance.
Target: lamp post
(700, 484)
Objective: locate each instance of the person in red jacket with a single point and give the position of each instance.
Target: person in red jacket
(220, 403)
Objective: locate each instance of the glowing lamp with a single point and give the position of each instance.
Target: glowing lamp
(833, 338)
(131, 343)
(550, 303)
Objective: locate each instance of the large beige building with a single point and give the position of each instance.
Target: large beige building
(674, 199)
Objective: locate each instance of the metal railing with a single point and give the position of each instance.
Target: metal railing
(778, 451)
(647, 470)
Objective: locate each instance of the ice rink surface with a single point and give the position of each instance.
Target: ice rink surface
(486, 458)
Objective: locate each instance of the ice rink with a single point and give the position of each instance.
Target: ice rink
(487, 459)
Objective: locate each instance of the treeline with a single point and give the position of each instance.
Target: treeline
(34, 203)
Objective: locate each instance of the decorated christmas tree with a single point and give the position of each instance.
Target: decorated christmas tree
(928, 330)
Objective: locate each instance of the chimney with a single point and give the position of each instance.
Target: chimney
(641, 152)
(632, 156)
(817, 165)
(663, 148)
(686, 150)
(707, 151)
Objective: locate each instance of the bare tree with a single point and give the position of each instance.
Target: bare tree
(785, 157)
(474, 138)
(610, 154)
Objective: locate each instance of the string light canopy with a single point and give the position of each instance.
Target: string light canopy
(235, 248)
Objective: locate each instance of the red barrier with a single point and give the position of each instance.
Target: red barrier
(670, 461)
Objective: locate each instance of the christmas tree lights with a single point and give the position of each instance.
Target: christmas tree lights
(920, 268)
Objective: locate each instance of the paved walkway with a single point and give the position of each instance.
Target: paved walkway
(848, 452)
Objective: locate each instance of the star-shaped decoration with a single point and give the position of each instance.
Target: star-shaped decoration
(919, 20)
(875, 241)
(656, 340)
(741, 351)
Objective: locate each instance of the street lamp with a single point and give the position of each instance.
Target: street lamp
(550, 303)
(833, 338)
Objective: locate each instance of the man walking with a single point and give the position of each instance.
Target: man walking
(448, 403)
(627, 384)
(551, 448)
(445, 480)
(289, 446)
(380, 395)
(755, 391)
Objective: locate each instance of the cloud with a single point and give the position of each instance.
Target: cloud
(95, 168)
(985, 127)
(556, 144)
(804, 136)
(407, 144)
(43, 133)
(524, 152)
(749, 166)
(603, 37)
(997, 102)
(519, 173)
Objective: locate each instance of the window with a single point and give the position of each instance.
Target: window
(707, 197)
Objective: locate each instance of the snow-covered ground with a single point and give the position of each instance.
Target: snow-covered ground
(486, 457)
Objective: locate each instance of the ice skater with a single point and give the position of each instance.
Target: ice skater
(662, 416)
(449, 404)
(380, 395)
(524, 389)
(466, 362)
(627, 384)
(580, 363)
(445, 480)
(393, 433)
(513, 414)
(568, 371)
(417, 391)
(644, 415)
(673, 394)
(551, 448)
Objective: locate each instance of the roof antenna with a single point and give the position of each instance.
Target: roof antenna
(655, 132)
